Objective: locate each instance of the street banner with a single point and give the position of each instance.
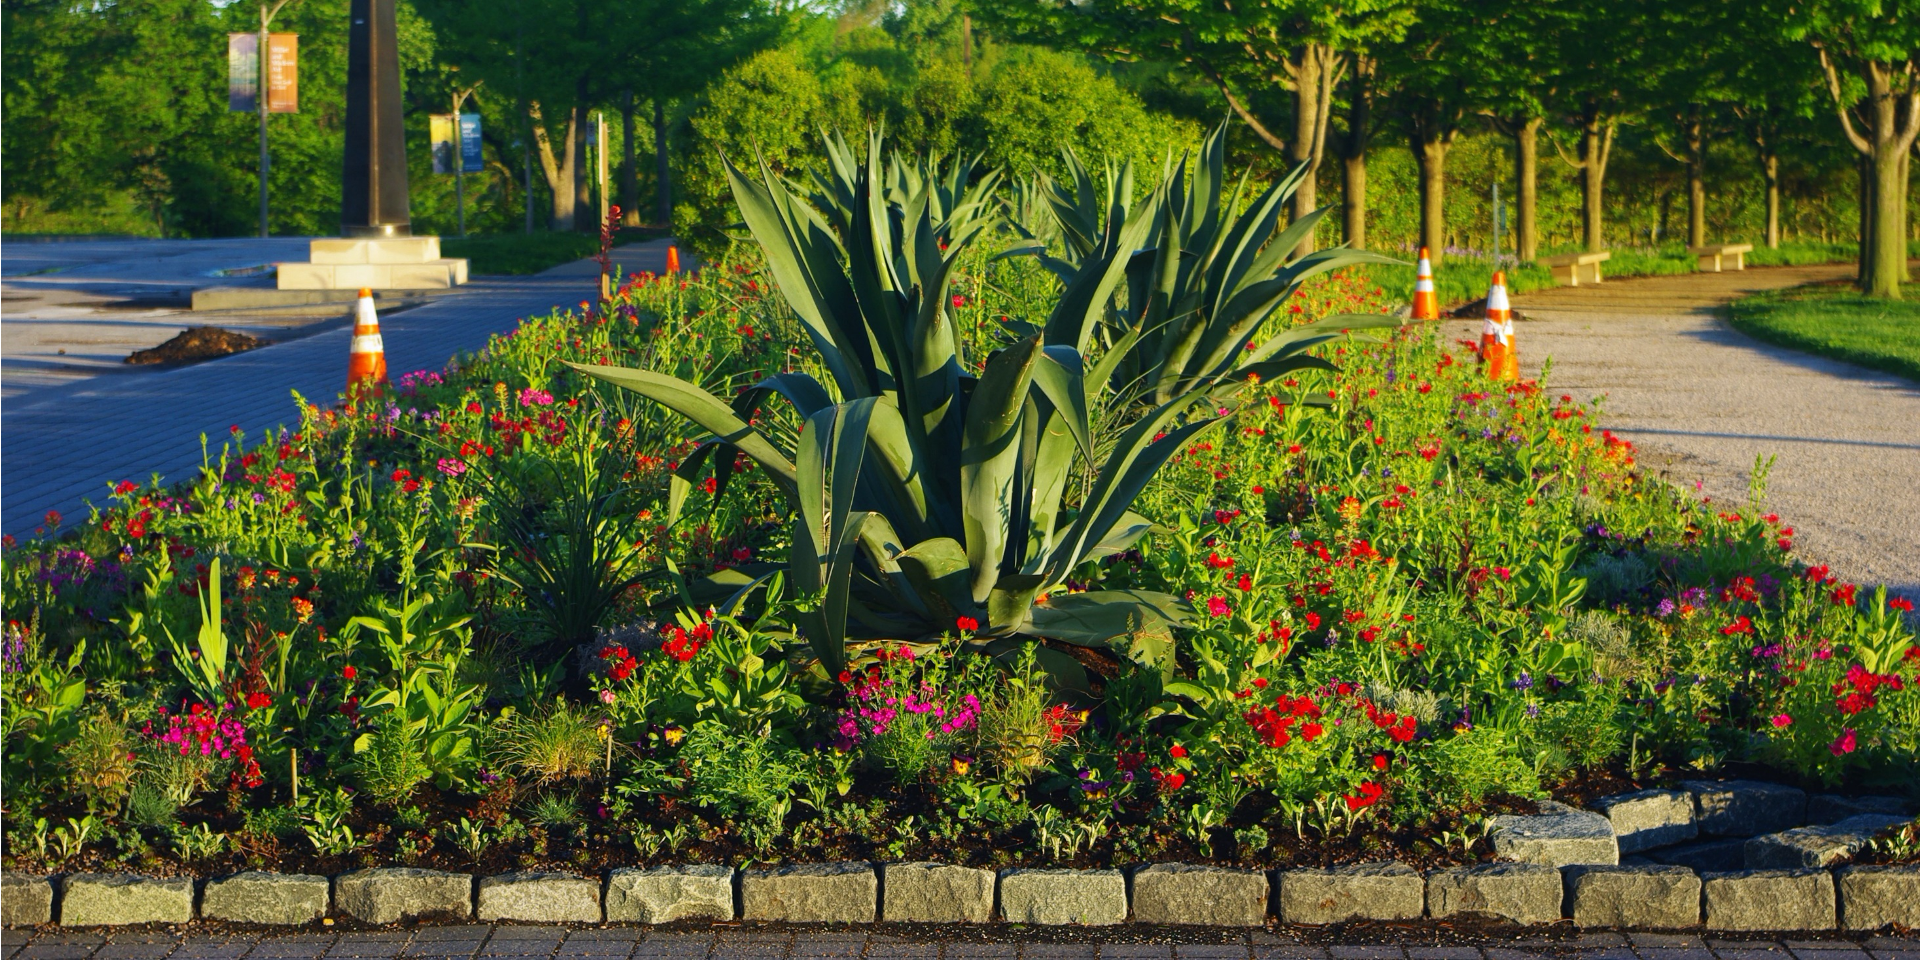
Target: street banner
(470, 143)
(440, 134)
(283, 73)
(243, 72)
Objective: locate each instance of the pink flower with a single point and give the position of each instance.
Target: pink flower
(1217, 607)
(451, 467)
(1781, 720)
(1844, 745)
(608, 697)
(530, 397)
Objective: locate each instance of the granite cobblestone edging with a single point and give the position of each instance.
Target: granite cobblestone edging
(1633, 897)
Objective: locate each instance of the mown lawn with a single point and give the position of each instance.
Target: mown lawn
(524, 253)
(1835, 320)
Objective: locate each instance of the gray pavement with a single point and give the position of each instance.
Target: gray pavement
(1701, 401)
(62, 443)
(1413, 941)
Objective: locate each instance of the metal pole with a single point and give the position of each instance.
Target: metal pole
(600, 164)
(459, 166)
(1496, 224)
(260, 103)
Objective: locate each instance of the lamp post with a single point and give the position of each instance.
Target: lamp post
(373, 199)
(267, 13)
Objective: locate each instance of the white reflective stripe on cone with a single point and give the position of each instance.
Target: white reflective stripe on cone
(367, 343)
(1423, 285)
(1497, 298)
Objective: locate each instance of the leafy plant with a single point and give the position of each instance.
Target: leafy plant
(556, 809)
(388, 760)
(927, 494)
(72, 838)
(204, 666)
(99, 761)
(197, 842)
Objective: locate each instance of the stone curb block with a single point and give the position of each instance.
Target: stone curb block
(701, 891)
(935, 893)
(1817, 846)
(1208, 896)
(389, 894)
(254, 896)
(1706, 856)
(539, 898)
(25, 900)
(1652, 898)
(1873, 896)
(811, 893)
(1361, 891)
(1519, 892)
(1824, 808)
(102, 899)
(1745, 808)
(1647, 819)
(1091, 898)
(1757, 900)
(1558, 836)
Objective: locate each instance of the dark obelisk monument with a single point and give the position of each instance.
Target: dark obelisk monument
(376, 248)
(374, 195)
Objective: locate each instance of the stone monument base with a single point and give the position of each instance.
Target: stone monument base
(379, 263)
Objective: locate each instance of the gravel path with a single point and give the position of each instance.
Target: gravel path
(1702, 401)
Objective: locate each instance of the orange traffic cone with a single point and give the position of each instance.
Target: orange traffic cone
(367, 358)
(673, 259)
(1497, 346)
(1426, 303)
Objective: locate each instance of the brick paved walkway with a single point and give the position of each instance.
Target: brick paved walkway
(725, 942)
(63, 445)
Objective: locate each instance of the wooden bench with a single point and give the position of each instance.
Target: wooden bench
(1713, 255)
(1573, 269)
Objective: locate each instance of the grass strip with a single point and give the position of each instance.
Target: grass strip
(1835, 320)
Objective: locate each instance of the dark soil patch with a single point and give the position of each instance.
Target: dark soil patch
(195, 344)
(1476, 310)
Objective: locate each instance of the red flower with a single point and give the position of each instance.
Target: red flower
(257, 700)
(1369, 795)
(349, 672)
(966, 624)
(1177, 751)
(1379, 761)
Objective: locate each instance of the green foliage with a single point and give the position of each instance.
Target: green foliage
(550, 744)
(1837, 322)
(748, 776)
(519, 253)
(389, 761)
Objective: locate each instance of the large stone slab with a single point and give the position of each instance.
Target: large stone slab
(272, 898)
(1558, 836)
(1362, 891)
(702, 891)
(1873, 896)
(935, 893)
(1644, 898)
(1824, 808)
(1817, 846)
(540, 898)
(1745, 808)
(1719, 854)
(811, 893)
(1646, 819)
(1769, 900)
(1057, 897)
(1210, 896)
(103, 899)
(26, 900)
(391, 894)
(1520, 892)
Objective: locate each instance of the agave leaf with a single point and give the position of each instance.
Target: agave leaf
(702, 408)
(1137, 624)
(1058, 376)
(989, 457)
(1121, 536)
(938, 570)
(826, 527)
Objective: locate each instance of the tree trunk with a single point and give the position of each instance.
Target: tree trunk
(1889, 219)
(1315, 71)
(1526, 231)
(1865, 270)
(583, 213)
(1596, 143)
(559, 173)
(664, 187)
(1696, 132)
(1770, 174)
(1353, 193)
(1430, 153)
(629, 174)
(1892, 121)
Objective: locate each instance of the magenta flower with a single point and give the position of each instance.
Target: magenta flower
(1781, 721)
(1844, 745)
(1217, 607)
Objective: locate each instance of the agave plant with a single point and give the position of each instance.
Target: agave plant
(1200, 282)
(923, 493)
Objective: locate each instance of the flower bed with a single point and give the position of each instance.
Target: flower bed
(514, 617)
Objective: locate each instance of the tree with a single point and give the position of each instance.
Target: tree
(1870, 52)
(1776, 87)
(571, 56)
(1301, 46)
(1605, 69)
(1433, 73)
